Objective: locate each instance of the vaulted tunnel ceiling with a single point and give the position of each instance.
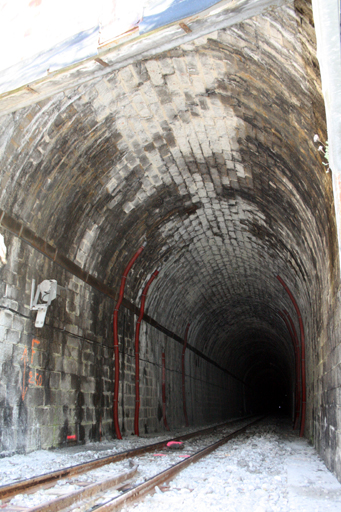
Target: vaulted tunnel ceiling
(205, 151)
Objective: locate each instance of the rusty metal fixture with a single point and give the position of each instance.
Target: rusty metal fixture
(300, 321)
(164, 391)
(183, 375)
(115, 328)
(137, 353)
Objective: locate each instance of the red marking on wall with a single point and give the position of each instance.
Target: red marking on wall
(35, 379)
(71, 438)
(33, 351)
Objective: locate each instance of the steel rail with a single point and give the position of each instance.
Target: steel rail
(141, 490)
(86, 493)
(24, 485)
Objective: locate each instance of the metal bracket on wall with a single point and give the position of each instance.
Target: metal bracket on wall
(47, 291)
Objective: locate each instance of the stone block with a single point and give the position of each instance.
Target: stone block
(42, 415)
(6, 352)
(7, 302)
(13, 336)
(54, 380)
(34, 396)
(70, 365)
(65, 381)
(88, 385)
(6, 318)
(3, 333)
(47, 439)
(19, 323)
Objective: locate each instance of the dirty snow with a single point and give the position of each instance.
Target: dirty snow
(267, 469)
(21, 467)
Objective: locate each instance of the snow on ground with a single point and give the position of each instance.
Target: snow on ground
(267, 469)
(20, 467)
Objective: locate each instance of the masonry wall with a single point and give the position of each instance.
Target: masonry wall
(57, 381)
(325, 429)
(206, 151)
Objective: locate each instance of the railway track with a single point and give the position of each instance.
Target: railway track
(112, 482)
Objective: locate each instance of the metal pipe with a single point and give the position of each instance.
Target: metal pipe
(164, 390)
(115, 328)
(293, 336)
(137, 352)
(302, 353)
(183, 375)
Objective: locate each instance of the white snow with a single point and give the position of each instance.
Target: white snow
(267, 469)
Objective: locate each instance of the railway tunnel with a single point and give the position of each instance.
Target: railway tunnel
(202, 156)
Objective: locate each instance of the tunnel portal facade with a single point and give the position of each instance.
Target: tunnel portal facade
(202, 156)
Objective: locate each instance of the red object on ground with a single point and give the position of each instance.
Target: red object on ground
(71, 438)
(115, 328)
(164, 390)
(183, 376)
(172, 443)
(137, 353)
(302, 353)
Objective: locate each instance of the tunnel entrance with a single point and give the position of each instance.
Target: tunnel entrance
(198, 159)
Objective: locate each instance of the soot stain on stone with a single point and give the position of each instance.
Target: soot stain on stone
(159, 412)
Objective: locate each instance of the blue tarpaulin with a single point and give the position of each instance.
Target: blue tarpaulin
(84, 44)
(174, 11)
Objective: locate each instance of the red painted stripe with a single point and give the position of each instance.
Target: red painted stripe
(294, 339)
(183, 376)
(116, 352)
(302, 353)
(164, 390)
(137, 353)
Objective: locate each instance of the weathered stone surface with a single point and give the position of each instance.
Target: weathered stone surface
(206, 152)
